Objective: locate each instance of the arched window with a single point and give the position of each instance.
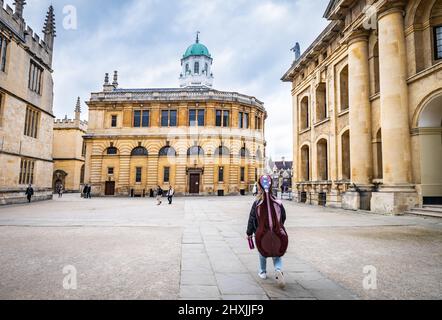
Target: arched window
(197, 68)
(244, 153)
(222, 152)
(187, 68)
(139, 152)
(195, 151)
(322, 159)
(111, 151)
(343, 81)
(377, 87)
(305, 163)
(167, 152)
(321, 102)
(305, 116)
(345, 149)
(206, 69)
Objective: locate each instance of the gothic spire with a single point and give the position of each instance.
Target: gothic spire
(49, 27)
(78, 109)
(19, 5)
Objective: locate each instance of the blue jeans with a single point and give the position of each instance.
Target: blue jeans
(277, 262)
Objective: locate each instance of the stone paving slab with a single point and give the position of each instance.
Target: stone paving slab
(195, 249)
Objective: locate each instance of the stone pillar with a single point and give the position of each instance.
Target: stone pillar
(360, 119)
(397, 194)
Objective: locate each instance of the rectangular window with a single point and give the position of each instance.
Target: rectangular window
(166, 174)
(26, 171)
(3, 47)
(201, 118)
(173, 118)
(438, 42)
(246, 121)
(219, 118)
(145, 119)
(241, 120)
(221, 174)
(114, 122)
(243, 174)
(226, 118)
(137, 118)
(32, 121)
(165, 118)
(35, 77)
(138, 175)
(83, 150)
(110, 171)
(192, 117)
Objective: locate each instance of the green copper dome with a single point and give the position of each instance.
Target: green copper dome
(197, 49)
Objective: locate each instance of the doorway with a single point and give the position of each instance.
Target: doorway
(110, 188)
(194, 183)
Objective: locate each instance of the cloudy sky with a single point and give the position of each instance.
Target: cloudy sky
(144, 40)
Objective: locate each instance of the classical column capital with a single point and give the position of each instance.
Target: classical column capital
(358, 35)
(391, 7)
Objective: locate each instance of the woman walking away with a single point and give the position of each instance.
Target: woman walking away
(159, 195)
(266, 221)
(29, 193)
(170, 194)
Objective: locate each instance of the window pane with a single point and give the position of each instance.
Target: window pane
(145, 123)
(137, 118)
(138, 175)
(226, 120)
(201, 118)
(114, 121)
(246, 120)
(240, 120)
(165, 118)
(221, 174)
(197, 68)
(192, 117)
(166, 174)
(173, 118)
(218, 118)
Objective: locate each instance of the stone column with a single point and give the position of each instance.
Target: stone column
(398, 194)
(360, 120)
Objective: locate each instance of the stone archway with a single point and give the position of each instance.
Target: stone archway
(58, 179)
(430, 145)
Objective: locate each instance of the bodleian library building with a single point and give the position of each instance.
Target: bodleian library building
(367, 105)
(198, 140)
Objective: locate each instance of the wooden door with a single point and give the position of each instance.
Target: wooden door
(110, 188)
(194, 186)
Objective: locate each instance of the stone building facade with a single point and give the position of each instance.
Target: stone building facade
(69, 152)
(199, 140)
(26, 98)
(367, 101)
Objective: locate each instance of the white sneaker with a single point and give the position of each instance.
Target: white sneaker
(263, 275)
(280, 279)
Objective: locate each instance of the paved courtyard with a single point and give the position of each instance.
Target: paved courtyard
(195, 249)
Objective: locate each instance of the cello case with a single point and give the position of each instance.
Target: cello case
(271, 237)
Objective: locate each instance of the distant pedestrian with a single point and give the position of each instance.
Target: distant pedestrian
(159, 195)
(85, 191)
(151, 193)
(29, 193)
(60, 191)
(88, 193)
(255, 189)
(170, 194)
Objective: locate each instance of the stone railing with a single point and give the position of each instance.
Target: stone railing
(174, 95)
